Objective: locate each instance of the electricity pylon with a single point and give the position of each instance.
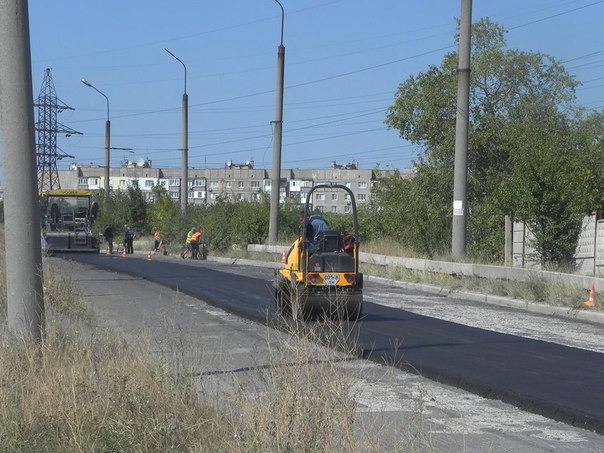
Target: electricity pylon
(47, 128)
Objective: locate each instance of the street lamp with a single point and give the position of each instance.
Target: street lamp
(273, 226)
(107, 135)
(184, 191)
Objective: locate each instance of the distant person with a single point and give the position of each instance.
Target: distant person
(188, 239)
(94, 212)
(195, 241)
(129, 235)
(156, 239)
(108, 235)
(318, 224)
(315, 225)
(55, 213)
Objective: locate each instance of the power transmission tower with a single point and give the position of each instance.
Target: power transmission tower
(47, 128)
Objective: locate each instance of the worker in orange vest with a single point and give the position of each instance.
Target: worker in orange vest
(195, 241)
(157, 239)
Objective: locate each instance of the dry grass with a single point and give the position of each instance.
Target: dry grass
(389, 247)
(309, 399)
(95, 394)
(307, 405)
(535, 290)
(86, 389)
(90, 391)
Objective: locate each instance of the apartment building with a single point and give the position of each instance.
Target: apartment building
(234, 182)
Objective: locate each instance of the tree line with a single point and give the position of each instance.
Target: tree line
(533, 153)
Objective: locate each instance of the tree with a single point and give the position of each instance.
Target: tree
(510, 89)
(162, 212)
(415, 212)
(122, 208)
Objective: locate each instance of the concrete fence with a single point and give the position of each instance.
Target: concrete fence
(589, 255)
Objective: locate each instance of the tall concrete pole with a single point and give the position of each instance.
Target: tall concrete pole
(107, 165)
(460, 209)
(22, 221)
(184, 183)
(184, 194)
(273, 227)
(107, 151)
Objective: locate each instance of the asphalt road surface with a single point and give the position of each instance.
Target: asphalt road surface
(557, 381)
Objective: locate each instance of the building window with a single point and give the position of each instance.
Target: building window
(255, 184)
(213, 196)
(162, 183)
(241, 196)
(349, 185)
(334, 209)
(303, 197)
(229, 184)
(320, 208)
(256, 197)
(334, 197)
(149, 183)
(362, 197)
(175, 182)
(320, 197)
(174, 195)
(346, 209)
(122, 183)
(83, 181)
(199, 183)
(213, 184)
(240, 184)
(362, 184)
(93, 181)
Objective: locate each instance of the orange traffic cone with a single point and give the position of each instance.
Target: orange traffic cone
(283, 257)
(149, 256)
(592, 297)
(124, 254)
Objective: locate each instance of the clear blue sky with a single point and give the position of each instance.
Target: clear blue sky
(344, 62)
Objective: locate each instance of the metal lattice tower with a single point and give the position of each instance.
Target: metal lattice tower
(47, 128)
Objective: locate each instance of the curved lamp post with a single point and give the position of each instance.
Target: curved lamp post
(184, 184)
(107, 136)
(273, 227)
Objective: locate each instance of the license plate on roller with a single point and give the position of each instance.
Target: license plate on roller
(331, 279)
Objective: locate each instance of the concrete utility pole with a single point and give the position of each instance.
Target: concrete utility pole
(460, 209)
(184, 183)
(107, 136)
(22, 223)
(273, 227)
